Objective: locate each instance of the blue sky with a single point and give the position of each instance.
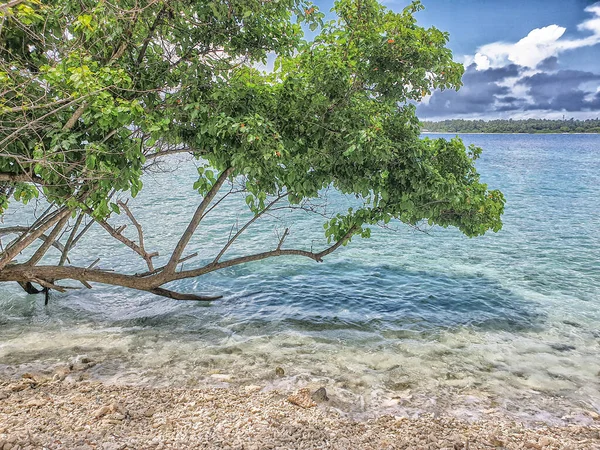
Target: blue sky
(523, 58)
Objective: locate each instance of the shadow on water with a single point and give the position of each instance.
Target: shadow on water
(347, 297)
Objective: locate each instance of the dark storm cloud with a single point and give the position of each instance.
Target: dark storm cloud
(490, 75)
(562, 90)
(548, 64)
(479, 93)
(571, 101)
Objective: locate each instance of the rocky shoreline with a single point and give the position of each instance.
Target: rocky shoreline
(63, 410)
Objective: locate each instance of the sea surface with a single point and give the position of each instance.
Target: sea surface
(409, 321)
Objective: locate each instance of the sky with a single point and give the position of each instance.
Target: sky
(523, 58)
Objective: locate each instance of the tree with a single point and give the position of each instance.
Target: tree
(95, 92)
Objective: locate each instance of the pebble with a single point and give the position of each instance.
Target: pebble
(104, 410)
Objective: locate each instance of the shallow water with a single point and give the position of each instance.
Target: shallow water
(403, 322)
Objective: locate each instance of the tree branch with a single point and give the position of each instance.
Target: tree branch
(69, 243)
(245, 227)
(43, 237)
(147, 256)
(116, 233)
(179, 296)
(10, 253)
(318, 257)
(20, 178)
(40, 252)
(191, 228)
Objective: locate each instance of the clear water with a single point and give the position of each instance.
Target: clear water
(403, 322)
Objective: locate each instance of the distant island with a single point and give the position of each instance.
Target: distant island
(512, 126)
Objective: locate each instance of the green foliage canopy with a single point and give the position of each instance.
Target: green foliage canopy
(93, 90)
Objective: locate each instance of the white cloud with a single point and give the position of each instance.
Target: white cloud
(539, 44)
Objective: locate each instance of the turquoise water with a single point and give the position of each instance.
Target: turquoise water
(404, 322)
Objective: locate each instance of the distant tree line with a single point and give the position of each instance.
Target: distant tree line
(513, 126)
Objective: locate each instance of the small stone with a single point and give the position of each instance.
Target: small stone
(17, 387)
(116, 416)
(35, 403)
(252, 388)
(279, 371)
(3, 396)
(593, 414)
(149, 412)
(221, 377)
(320, 395)
(111, 446)
(60, 374)
(102, 412)
(302, 398)
(546, 441)
(495, 442)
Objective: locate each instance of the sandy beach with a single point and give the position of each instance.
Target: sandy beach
(63, 410)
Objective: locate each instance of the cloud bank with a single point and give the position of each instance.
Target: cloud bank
(525, 79)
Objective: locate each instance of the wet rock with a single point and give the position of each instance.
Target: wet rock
(61, 373)
(562, 347)
(80, 363)
(320, 395)
(302, 398)
(252, 388)
(279, 372)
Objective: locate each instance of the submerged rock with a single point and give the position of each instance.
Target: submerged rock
(81, 362)
(320, 395)
(562, 347)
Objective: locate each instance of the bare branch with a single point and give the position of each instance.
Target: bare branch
(43, 237)
(10, 253)
(191, 228)
(70, 239)
(147, 256)
(40, 252)
(318, 257)
(285, 233)
(178, 296)
(245, 227)
(116, 233)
